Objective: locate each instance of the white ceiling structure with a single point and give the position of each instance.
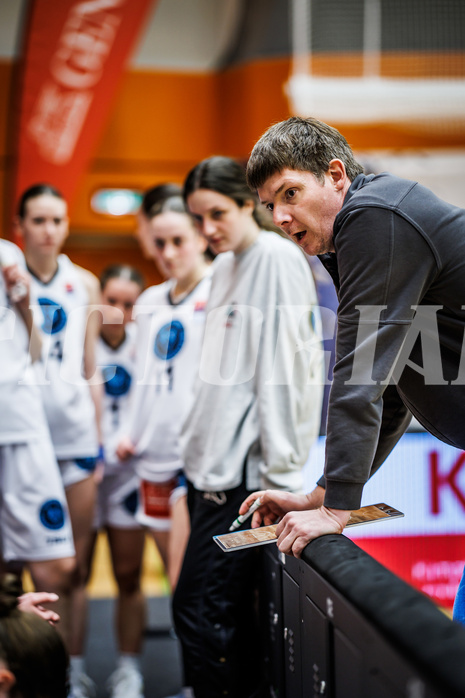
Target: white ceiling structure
(183, 35)
(195, 35)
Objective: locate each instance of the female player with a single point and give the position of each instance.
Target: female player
(35, 530)
(117, 492)
(170, 319)
(252, 420)
(62, 294)
(149, 200)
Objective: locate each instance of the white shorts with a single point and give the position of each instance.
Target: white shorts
(117, 499)
(156, 500)
(76, 469)
(34, 518)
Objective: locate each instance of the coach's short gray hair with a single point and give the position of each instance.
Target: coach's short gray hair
(301, 144)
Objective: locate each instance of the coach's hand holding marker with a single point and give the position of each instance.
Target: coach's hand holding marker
(240, 519)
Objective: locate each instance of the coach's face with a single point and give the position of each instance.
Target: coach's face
(305, 208)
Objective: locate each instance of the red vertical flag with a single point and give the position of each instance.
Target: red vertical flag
(75, 52)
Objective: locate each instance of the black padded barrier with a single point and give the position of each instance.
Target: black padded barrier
(338, 624)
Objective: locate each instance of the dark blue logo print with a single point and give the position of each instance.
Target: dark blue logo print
(52, 514)
(169, 340)
(117, 380)
(54, 316)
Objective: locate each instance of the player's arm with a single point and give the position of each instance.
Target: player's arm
(18, 278)
(289, 373)
(94, 319)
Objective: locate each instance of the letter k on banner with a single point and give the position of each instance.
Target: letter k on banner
(74, 55)
(440, 480)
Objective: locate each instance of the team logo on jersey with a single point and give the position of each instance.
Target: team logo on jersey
(169, 340)
(54, 316)
(52, 514)
(117, 380)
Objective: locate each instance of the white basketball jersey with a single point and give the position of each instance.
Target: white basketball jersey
(169, 341)
(20, 403)
(117, 367)
(60, 312)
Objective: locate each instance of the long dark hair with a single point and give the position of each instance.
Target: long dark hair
(226, 176)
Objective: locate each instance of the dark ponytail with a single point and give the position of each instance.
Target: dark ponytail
(35, 191)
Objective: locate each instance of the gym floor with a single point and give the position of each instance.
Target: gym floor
(160, 657)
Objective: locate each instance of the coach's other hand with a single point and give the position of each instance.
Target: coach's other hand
(298, 528)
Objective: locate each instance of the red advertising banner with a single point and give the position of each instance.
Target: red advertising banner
(74, 55)
(432, 564)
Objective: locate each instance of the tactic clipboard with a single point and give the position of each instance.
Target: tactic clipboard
(251, 537)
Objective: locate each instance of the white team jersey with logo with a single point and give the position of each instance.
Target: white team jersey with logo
(117, 367)
(169, 341)
(60, 312)
(34, 519)
(20, 404)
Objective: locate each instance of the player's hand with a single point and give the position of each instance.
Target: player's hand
(125, 449)
(18, 285)
(298, 528)
(32, 603)
(274, 504)
(99, 472)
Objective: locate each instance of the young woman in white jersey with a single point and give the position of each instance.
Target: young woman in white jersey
(170, 319)
(118, 490)
(253, 420)
(143, 233)
(35, 530)
(62, 295)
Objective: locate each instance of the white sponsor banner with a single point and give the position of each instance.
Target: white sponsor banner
(422, 477)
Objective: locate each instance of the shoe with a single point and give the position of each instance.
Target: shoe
(82, 686)
(126, 682)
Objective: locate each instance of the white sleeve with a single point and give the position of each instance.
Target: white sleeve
(290, 372)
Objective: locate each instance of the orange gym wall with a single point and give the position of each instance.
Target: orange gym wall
(164, 122)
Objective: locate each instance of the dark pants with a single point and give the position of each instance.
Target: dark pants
(214, 605)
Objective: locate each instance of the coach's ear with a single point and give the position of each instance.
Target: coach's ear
(338, 174)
